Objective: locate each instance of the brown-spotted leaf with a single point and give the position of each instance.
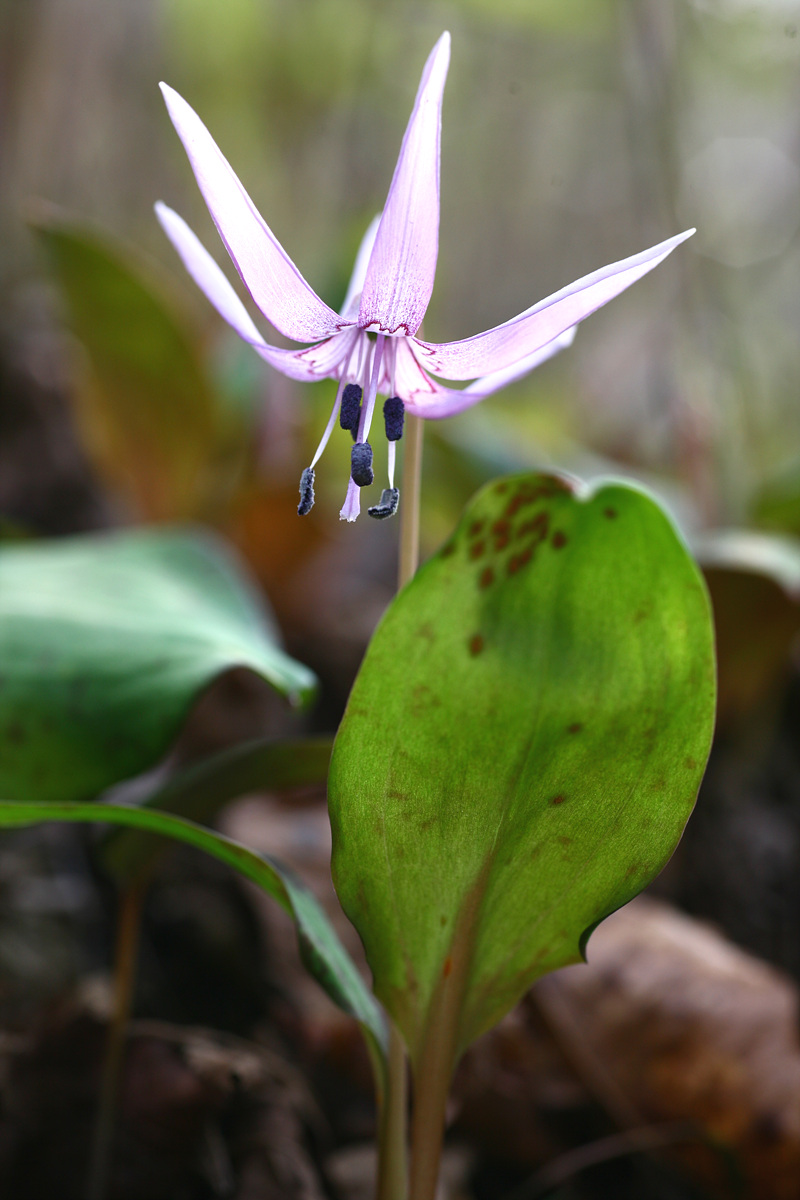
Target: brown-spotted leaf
(521, 749)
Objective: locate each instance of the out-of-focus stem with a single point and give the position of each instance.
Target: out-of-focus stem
(126, 956)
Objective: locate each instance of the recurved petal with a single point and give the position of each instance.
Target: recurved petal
(426, 397)
(272, 279)
(206, 273)
(399, 278)
(506, 344)
(326, 360)
(315, 362)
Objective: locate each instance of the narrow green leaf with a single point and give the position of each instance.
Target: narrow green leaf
(149, 414)
(200, 790)
(105, 643)
(323, 954)
(521, 749)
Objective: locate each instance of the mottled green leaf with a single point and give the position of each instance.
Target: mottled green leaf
(522, 747)
(106, 641)
(323, 953)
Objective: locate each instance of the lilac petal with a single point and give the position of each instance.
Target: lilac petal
(506, 344)
(426, 397)
(309, 365)
(272, 279)
(206, 273)
(356, 284)
(499, 379)
(326, 360)
(400, 274)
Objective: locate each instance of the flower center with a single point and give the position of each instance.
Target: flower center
(368, 369)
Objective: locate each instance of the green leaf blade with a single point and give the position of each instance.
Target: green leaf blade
(105, 643)
(322, 951)
(522, 747)
(199, 790)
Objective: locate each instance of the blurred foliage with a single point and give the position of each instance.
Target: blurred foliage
(574, 133)
(106, 643)
(147, 409)
(754, 581)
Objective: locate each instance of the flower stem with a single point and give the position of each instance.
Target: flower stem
(409, 507)
(392, 1133)
(126, 955)
(392, 1143)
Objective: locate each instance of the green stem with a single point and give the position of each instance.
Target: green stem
(439, 1052)
(392, 1132)
(431, 1089)
(393, 1129)
(127, 949)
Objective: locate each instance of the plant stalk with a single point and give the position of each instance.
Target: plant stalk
(393, 1124)
(431, 1089)
(410, 501)
(125, 959)
(393, 1129)
(440, 1051)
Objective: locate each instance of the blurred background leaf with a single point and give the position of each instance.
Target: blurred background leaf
(147, 409)
(105, 643)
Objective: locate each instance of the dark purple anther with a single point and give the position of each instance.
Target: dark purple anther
(390, 498)
(361, 464)
(393, 413)
(306, 492)
(350, 411)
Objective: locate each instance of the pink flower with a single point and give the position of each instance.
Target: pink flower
(371, 344)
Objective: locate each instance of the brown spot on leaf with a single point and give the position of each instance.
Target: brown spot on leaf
(442, 921)
(476, 644)
(477, 549)
(501, 541)
(448, 549)
(559, 799)
(575, 727)
(538, 525)
(690, 763)
(526, 556)
(565, 841)
(559, 540)
(501, 526)
(448, 966)
(486, 578)
(514, 564)
(475, 528)
(611, 513)
(501, 489)
(638, 868)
